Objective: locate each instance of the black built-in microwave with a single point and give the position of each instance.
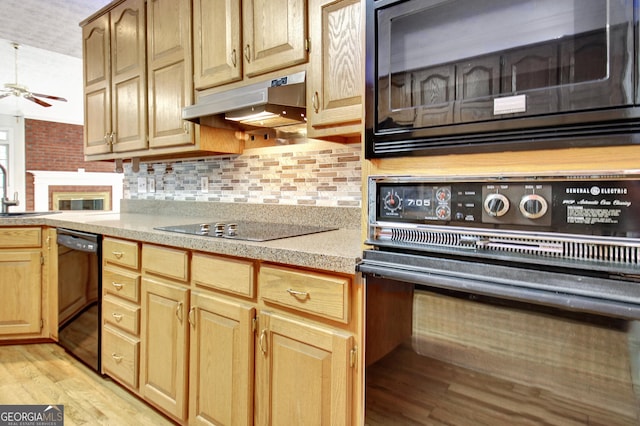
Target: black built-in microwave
(460, 76)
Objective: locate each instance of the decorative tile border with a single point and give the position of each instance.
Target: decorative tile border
(323, 174)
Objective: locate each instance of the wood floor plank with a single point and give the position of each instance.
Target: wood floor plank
(407, 388)
(45, 374)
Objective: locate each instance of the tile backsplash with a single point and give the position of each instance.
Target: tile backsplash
(315, 174)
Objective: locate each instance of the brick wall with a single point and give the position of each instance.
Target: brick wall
(55, 147)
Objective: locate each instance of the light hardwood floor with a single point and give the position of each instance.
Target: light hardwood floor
(404, 388)
(45, 374)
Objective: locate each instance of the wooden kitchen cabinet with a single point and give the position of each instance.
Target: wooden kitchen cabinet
(274, 34)
(115, 85)
(21, 283)
(170, 74)
(303, 372)
(121, 311)
(313, 293)
(305, 362)
(163, 365)
(164, 329)
(335, 78)
(232, 42)
(217, 50)
(221, 360)
(138, 76)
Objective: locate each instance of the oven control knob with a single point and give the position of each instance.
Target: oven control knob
(533, 206)
(443, 212)
(392, 201)
(496, 205)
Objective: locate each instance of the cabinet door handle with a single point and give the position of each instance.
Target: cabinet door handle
(192, 318)
(298, 294)
(107, 138)
(185, 127)
(117, 254)
(116, 357)
(118, 286)
(247, 51)
(315, 102)
(117, 316)
(179, 311)
(263, 341)
(234, 59)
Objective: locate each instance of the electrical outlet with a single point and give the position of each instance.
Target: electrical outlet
(151, 184)
(142, 185)
(204, 184)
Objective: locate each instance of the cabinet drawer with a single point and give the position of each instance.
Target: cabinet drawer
(222, 273)
(120, 356)
(167, 262)
(120, 252)
(121, 314)
(20, 237)
(319, 294)
(121, 283)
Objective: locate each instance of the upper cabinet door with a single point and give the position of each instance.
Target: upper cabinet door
(169, 71)
(217, 56)
(128, 76)
(335, 92)
(274, 34)
(97, 86)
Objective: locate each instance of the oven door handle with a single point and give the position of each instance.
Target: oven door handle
(504, 288)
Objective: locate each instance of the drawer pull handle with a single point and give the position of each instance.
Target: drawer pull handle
(118, 286)
(117, 316)
(118, 254)
(298, 294)
(116, 357)
(263, 341)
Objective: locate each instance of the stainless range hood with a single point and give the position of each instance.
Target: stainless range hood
(273, 103)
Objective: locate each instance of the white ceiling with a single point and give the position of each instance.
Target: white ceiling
(49, 57)
(47, 24)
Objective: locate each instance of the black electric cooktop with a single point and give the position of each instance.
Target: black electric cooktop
(246, 230)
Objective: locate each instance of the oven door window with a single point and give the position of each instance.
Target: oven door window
(450, 62)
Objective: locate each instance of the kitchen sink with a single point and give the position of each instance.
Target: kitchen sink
(21, 214)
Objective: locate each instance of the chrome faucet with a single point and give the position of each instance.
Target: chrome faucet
(5, 202)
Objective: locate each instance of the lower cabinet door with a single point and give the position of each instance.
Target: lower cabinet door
(303, 373)
(164, 363)
(221, 361)
(21, 290)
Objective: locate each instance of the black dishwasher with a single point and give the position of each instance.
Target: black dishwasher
(79, 295)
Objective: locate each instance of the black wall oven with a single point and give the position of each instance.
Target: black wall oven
(561, 252)
(448, 76)
(569, 242)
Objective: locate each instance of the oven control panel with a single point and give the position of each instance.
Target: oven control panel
(583, 205)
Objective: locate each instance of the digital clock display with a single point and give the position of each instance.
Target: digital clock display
(420, 202)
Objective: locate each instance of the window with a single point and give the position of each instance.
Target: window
(4, 155)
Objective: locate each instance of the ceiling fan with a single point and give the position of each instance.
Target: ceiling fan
(19, 90)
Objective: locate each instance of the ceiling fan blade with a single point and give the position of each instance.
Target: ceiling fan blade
(4, 95)
(55, 98)
(36, 100)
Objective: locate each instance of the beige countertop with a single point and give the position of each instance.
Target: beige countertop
(336, 251)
